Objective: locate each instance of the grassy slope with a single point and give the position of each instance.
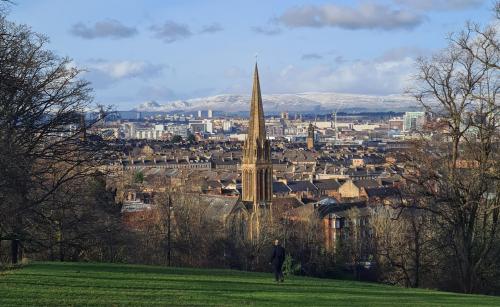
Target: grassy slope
(114, 284)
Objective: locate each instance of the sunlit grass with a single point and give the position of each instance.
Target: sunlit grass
(115, 284)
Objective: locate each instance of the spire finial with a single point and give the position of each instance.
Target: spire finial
(256, 57)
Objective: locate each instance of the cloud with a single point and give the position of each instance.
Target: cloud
(128, 69)
(103, 29)
(212, 28)
(364, 16)
(104, 73)
(377, 76)
(311, 56)
(171, 31)
(267, 30)
(441, 4)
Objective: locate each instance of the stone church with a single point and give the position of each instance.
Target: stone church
(257, 168)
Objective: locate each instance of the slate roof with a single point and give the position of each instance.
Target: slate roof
(341, 209)
(327, 184)
(366, 183)
(218, 207)
(280, 187)
(382, 192)
(302, 186)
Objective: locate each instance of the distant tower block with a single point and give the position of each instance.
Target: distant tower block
(210, 114)
(310, 137)
(199, 113)
(284, 115)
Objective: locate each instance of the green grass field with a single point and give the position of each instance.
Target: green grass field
(114, 284)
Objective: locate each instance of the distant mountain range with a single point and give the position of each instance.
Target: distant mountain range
(302, 102)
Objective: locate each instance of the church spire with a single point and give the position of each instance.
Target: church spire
(256, 126)
(257, 169)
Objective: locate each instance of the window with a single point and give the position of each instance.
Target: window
(337, 223)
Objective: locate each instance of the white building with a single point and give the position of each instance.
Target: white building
(201, 126)
(413, 121)
(209, 126)
(158, 131)
(227, 125)
(177, 129)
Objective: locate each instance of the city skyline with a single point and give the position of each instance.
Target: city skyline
(179, 50)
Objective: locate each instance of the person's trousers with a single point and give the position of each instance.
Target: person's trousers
(278, 272)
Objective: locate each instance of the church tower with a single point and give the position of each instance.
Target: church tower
(257, 169)
(310, 137)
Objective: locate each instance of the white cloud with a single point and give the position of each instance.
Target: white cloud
(103, 73)
(376, 76)
(127, 69)
(364, 16)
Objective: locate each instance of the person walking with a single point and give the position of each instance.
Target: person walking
(277, 259)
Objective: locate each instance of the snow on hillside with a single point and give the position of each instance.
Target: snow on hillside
(301, 102)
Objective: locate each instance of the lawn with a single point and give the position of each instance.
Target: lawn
(44, 283)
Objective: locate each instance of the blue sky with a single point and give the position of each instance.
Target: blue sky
(136, 51)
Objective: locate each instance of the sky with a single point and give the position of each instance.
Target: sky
(141, 50)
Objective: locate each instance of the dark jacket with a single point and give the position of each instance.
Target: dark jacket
(278, 256)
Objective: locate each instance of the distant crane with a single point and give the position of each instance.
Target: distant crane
(334, 122)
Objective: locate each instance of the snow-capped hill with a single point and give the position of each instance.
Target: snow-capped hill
(301, 102)
(149, 105)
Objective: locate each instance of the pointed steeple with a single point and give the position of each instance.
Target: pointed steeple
(256, 126)
(257, 169)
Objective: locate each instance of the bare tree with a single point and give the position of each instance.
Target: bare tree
(454, 175)
(402, 246)
(43, 141)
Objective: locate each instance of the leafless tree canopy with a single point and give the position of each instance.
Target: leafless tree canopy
(43, 141)
(455, 173)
